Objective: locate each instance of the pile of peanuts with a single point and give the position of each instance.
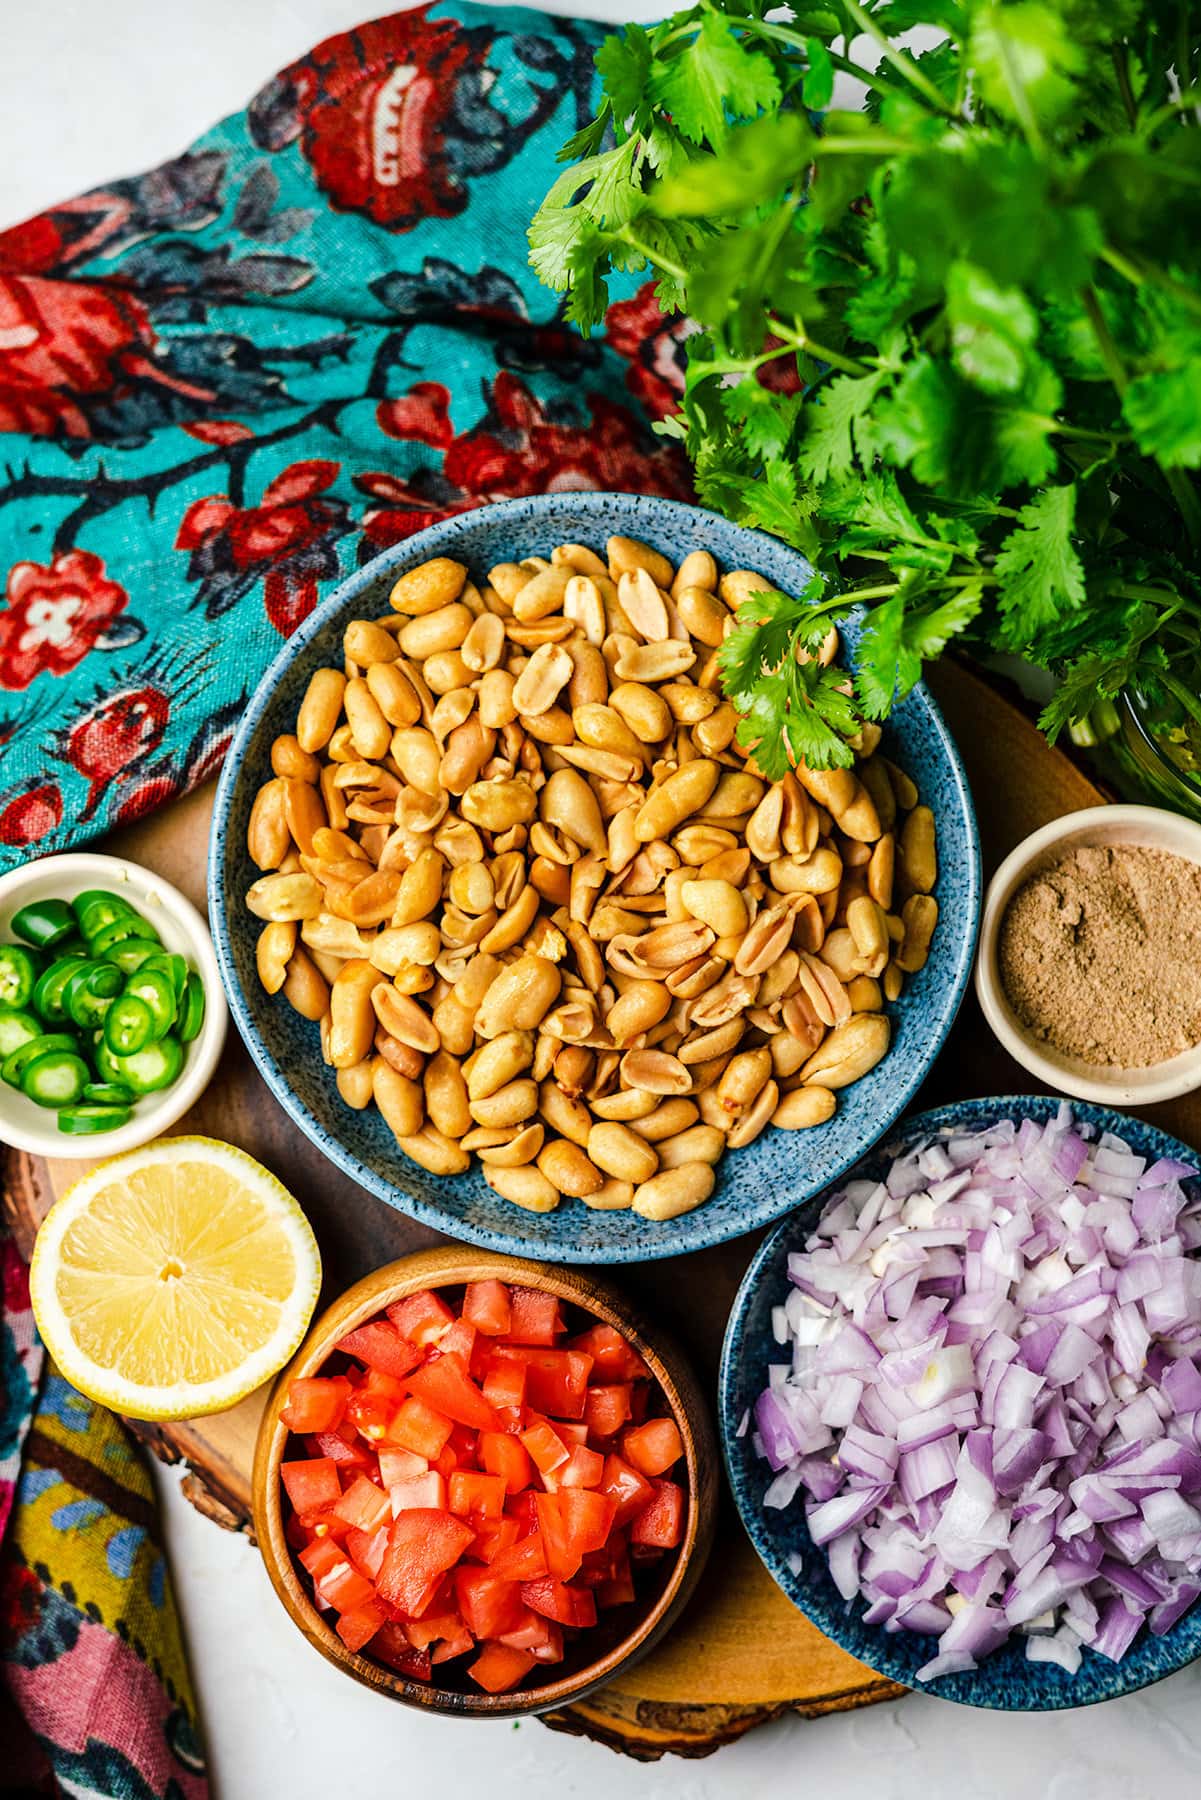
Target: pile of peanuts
(547, 911)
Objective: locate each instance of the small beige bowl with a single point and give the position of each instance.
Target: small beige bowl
(1145, 825)
(33, 1128)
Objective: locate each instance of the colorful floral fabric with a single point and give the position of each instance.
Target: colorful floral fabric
(226, 383)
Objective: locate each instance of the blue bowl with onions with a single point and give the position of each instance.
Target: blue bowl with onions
(755, 1185)
(960, 1405)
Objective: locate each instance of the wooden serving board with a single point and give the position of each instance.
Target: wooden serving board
(742, 1654)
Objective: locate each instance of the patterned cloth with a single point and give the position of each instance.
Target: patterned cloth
(226, 383)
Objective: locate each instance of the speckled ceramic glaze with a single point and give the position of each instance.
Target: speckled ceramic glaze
(754, 1185)
(1004, 1681)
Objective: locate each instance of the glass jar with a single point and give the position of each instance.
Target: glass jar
(1142, 751)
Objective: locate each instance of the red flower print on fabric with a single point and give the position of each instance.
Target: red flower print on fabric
(287, 541)
(31, 814)
(63, 341)
(54, 615)
(654, 346)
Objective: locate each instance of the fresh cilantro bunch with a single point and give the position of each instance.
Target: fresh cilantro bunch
(949, 341)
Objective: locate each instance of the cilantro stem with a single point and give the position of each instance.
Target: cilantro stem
(783, 34)
(1121, 64)
(800, 340)
(1020, 98)
(656, 259)
(893, 587)
(1177, 689)
(904, 65)
(1138, 273)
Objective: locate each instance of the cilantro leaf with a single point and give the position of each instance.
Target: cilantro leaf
(992, 329)
(827, 443)
(1164, 412)
(767, 420)
(899, 636)
(817, 89)
(711, 74)
(1040, 571)
(624, 65)
(1025, 61)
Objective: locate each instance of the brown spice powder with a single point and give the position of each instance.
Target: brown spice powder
(1100, 955)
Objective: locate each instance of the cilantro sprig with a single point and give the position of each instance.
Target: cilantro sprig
(949, 337)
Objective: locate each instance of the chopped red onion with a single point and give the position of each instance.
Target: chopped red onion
(992, 1414)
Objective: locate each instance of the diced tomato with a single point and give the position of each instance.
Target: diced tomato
(320, 1557)
(524, 1508)
(372, 1407)
(486, 1304)
(507, 1457)
(465, 1445)
(536, 1317)
(316, 1403)
(631, 1491)
(572, 1431)
(444, 1384)
(504, 1385)
(614, 1357)
(345, 1588)
(353, 1455)
(367, 1553)
(607, 1408)
(572, 1523)
(556, 1381)
(552, 1650)
(459, 1339)
(422, 1545)
(492, 1538)
(422, 1491)
(555, 1600)
(419, 1428)
(422, 1318)
(358, 1628)
(452, 1647)
(546, 1448)
(364, 1505)
(524, 1561)
(563, 1556)
(661, 1524)
(391, 1646)
(653, 1448)
(584, 1468)
(474, 1494)
(498, 1668)
(312, 1484)
(400, 1465)
(380, 1345)
(617, 1592)
(423, 1633)
(489, 1605)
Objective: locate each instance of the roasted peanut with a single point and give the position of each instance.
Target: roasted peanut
(526, 1186)
(429, 587)
(274, 947)
(621, 1152)
(918, 857)
(803, 1108)
(674, 1191)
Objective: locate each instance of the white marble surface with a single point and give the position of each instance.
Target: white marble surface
(100, 88)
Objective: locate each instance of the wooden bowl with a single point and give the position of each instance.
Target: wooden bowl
(674, 1580)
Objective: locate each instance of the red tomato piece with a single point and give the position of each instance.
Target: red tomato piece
(523, 1561)
(617, 1592)
(546, 1448)
(391, 1646)
(419, 1428)
(400, 1465)
(367, 1552)
(563, 1556)
(498, 1668)
(584, 1468)
(486, 1304)
(555, 1600)
(312, 1484)
(465, 1445)
(631, 1491)
(474, 1494)
(320, 1556)
(444, 1384)
(536, 1318)
(358, 1628)
(348, 1456)
(345, 1588)
(315, 1403)
(661, 1524)
(459, 1339)
(552, 1650)
(493, 1537)
(380, 1345)
(422, 1491)
(422, 1545)
(424, 1633)
(653, 1448)
(504, 1386)
(507, 1457)
(606, 1409)
(422, 1318)
(615, 1358)
(363, 1506)
(488, 1604)
(452, 1647)
(556, 1381)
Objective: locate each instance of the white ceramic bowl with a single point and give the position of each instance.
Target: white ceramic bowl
(1145, 825)
(32, 1128)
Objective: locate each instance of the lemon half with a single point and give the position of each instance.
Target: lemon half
(173, 1280)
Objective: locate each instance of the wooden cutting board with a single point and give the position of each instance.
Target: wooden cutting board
(742, 1654)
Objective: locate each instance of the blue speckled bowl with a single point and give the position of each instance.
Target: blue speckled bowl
(755, 1185)
(1005, 1681)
